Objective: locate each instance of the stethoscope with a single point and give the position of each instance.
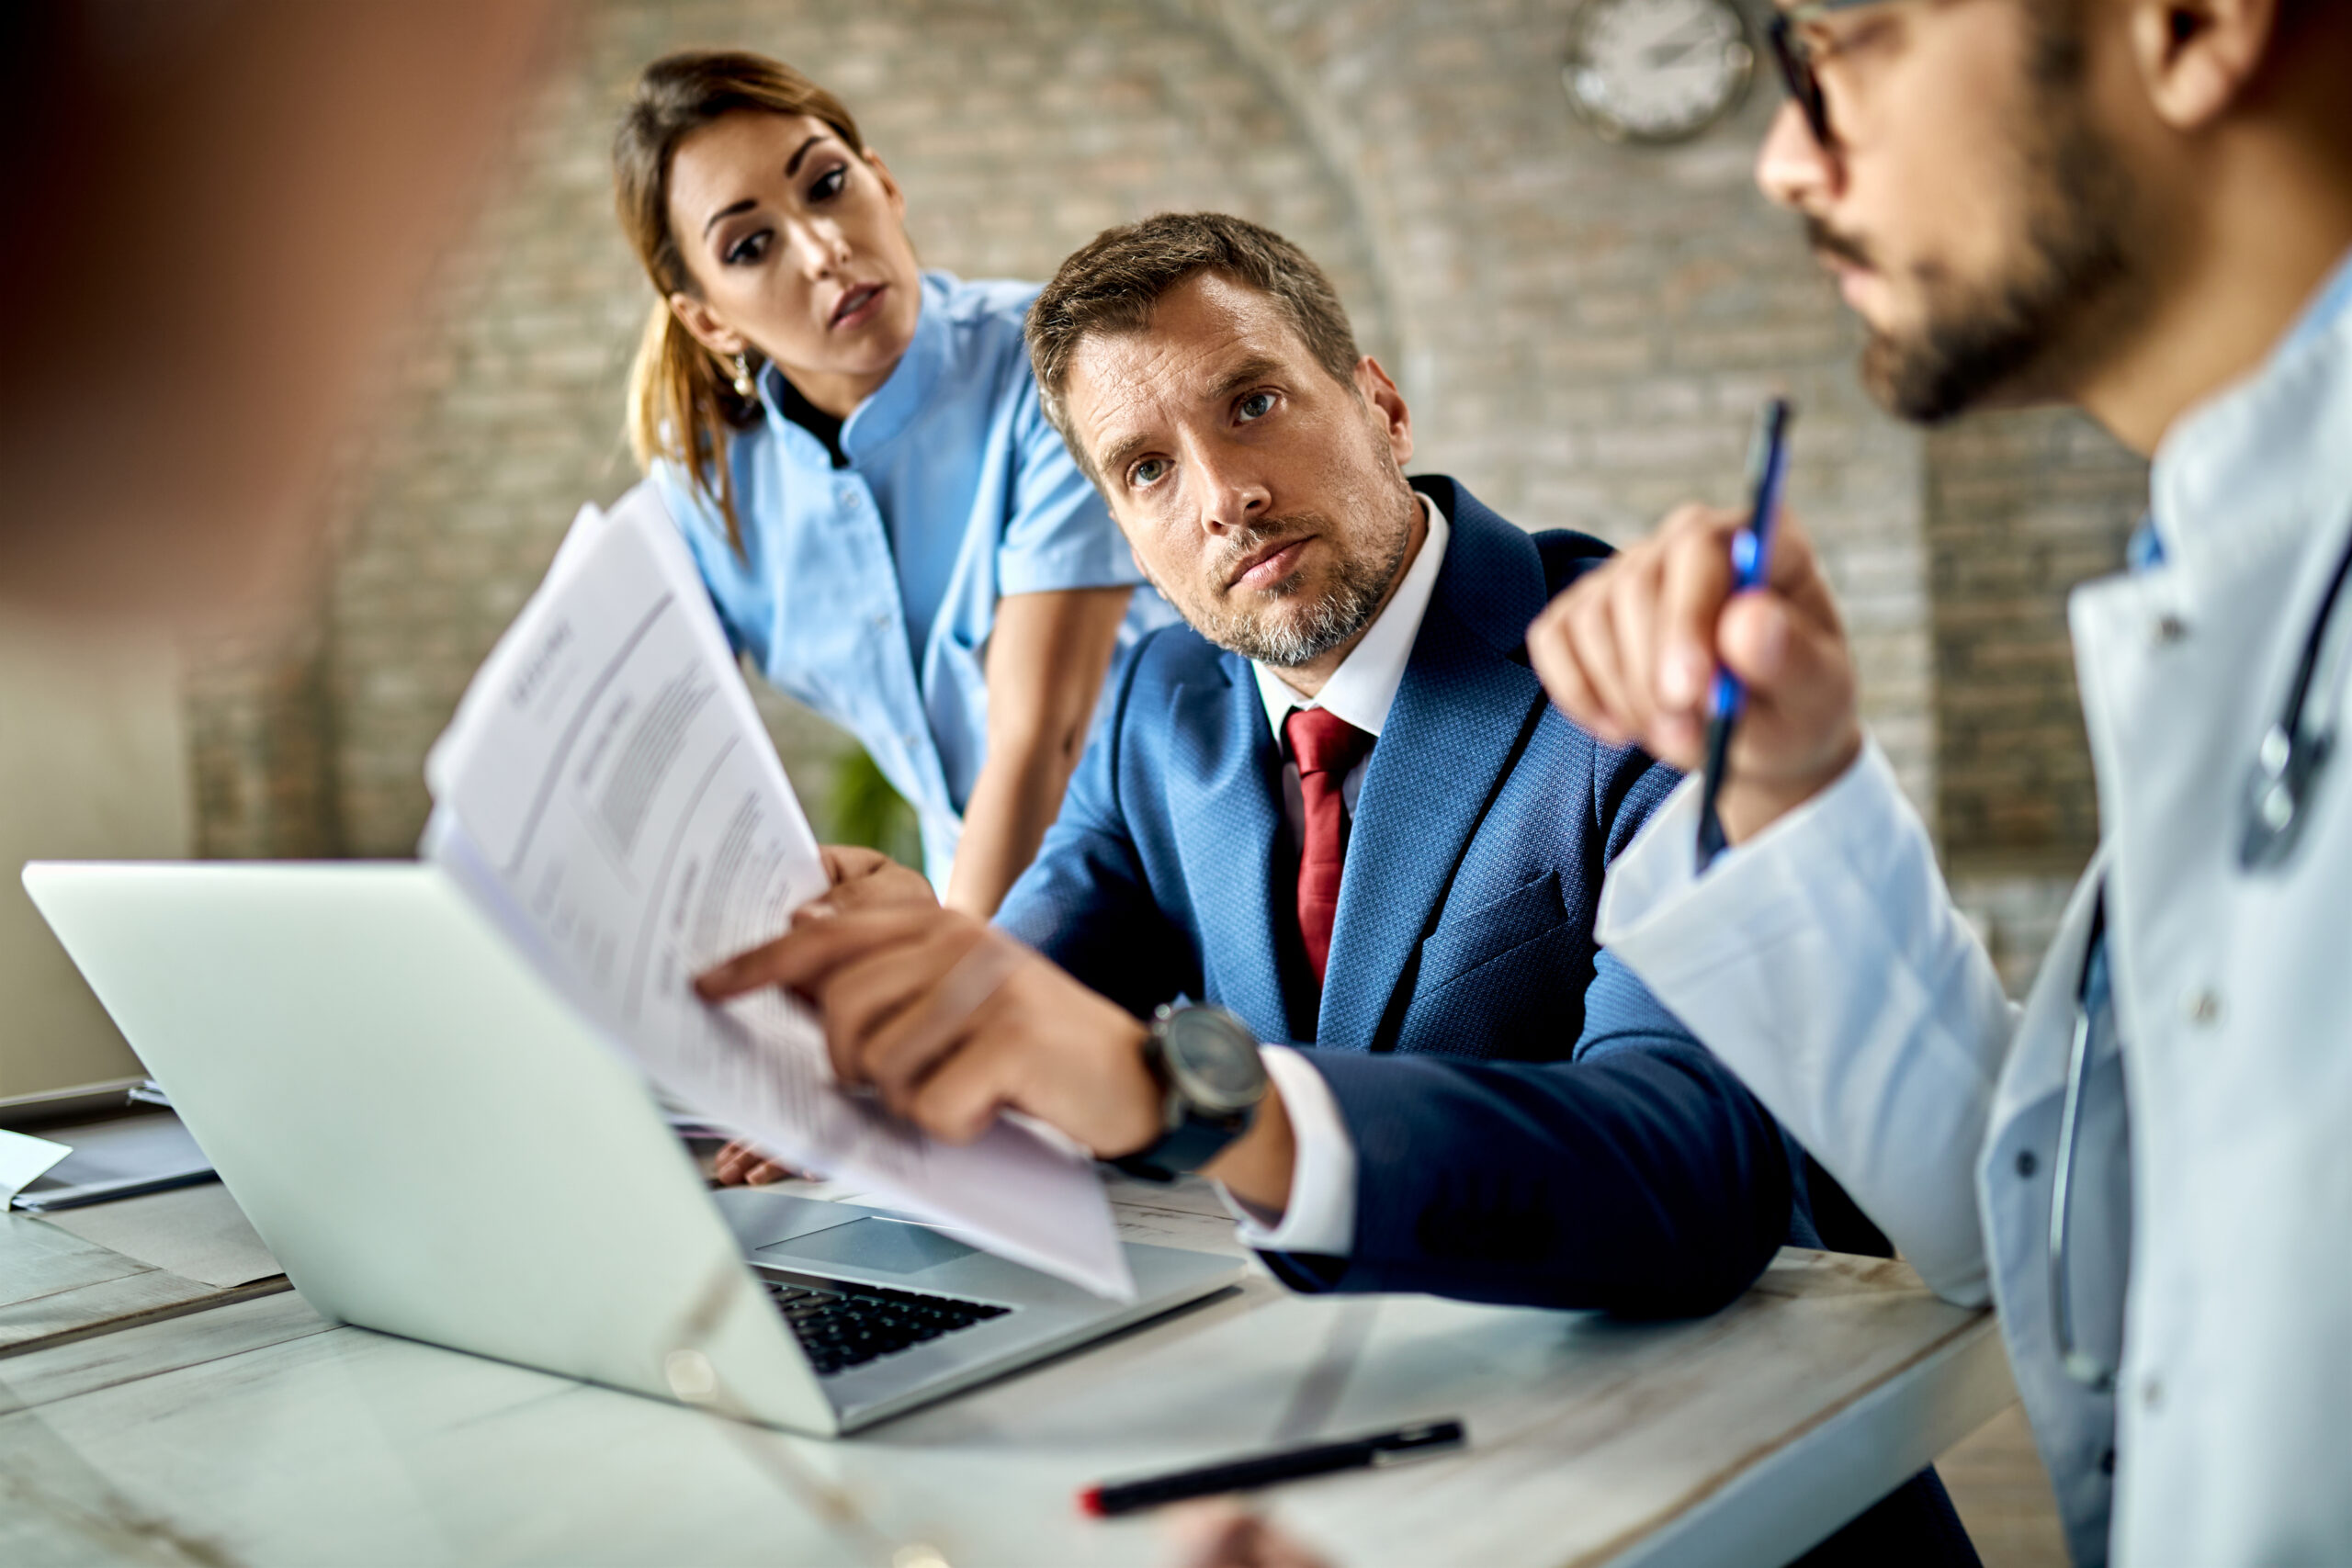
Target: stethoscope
(2277, 799)
(2290, 759)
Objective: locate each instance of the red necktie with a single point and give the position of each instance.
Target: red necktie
(1325, 747)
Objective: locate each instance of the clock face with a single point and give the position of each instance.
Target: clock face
(1657, 69)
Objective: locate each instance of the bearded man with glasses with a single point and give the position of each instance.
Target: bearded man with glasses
(2144, 210)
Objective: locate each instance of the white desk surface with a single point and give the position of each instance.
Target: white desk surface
(56, 1285)
(254, 1433)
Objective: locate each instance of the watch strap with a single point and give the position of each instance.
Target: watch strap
(1190, 1138)
(1183, 1149)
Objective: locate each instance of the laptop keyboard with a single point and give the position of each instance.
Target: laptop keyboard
(843, 1325)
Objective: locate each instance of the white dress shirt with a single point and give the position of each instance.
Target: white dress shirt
(1322, 1218)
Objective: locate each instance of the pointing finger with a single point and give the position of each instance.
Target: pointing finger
(811, 950)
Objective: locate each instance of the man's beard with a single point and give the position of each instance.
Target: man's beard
(2020, 337)
(1359, 586)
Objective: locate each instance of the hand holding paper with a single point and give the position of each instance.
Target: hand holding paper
(953, 1021)
(859, 876)
(607, 793)
(23, 1157)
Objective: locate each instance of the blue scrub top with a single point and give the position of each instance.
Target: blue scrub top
(868, 593)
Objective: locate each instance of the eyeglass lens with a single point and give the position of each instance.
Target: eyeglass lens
(1796, 72)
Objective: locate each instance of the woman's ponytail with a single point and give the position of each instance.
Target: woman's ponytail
(682, 407)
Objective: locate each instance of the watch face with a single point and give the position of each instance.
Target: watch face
(1657, 69)
(1214, 1059)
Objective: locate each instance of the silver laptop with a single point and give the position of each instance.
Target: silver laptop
(434, 1145)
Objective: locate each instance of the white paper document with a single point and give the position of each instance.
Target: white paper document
(608, 796)
(23, 1159)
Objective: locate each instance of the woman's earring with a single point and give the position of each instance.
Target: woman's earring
(744, 388)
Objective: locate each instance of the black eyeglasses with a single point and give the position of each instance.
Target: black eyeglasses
(1795, 56)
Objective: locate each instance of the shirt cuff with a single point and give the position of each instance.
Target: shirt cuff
(1656, 878)
(1321, 1219)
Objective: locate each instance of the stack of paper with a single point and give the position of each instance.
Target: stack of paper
(608, 797)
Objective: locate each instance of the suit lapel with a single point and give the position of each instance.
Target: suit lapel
(1458, 722)
(1224, 806)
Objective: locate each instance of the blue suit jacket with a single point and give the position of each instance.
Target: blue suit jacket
(1532, 1126)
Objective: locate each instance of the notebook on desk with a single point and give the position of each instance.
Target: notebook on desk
(435, 1145)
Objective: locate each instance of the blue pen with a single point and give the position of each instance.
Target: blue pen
(1751, 563)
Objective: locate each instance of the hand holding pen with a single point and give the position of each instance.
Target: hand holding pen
(1630, 653)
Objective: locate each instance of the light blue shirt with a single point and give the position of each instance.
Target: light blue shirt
(868, 593)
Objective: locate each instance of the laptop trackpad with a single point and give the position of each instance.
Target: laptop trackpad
(885, 1246)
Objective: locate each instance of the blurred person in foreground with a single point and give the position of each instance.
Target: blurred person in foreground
(1335, 810)
(219, 214)
(2142, 209)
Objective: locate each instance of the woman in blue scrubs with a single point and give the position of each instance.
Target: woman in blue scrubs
(854, 450)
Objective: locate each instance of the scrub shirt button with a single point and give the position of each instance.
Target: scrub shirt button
(2202, 1005)
(2169, 628)
(2151, 1394)
(881, 621)
(2027, 1164)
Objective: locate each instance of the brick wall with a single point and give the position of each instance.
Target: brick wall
(2018, 506)
(1590, 329)
(1584, 331)
(1018, 131)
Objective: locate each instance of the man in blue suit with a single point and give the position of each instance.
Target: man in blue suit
(1335, 810)
(1473, 822)
(1337, 805)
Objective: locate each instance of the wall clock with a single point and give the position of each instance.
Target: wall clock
(1657, 71)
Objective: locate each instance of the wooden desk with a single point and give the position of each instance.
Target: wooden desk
(256, 1434)
(55, 1286)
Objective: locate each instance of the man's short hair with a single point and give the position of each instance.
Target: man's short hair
(1112, 284)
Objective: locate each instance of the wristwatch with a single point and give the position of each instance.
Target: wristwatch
(1211, 1080)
